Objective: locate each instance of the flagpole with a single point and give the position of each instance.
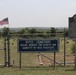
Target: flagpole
(8, 44)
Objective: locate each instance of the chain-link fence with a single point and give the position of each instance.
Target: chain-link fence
(63, 57)
(2, 55)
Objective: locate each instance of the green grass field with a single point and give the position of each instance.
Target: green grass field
(38, 71)
(30, 62)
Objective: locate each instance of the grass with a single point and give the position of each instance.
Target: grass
(30, 62)
(38, 71)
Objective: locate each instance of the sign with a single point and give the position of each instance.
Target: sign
(72, 32)
(72, 27)
(38, 45)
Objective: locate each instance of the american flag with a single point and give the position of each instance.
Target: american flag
(4, 21)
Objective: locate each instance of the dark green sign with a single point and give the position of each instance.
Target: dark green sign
(51, 45)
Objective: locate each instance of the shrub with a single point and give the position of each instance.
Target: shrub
(73, 48)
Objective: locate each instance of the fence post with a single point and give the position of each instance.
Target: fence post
(5, 57)
(64, 48)
(8, 40)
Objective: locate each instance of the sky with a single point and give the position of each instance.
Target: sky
(37, 13)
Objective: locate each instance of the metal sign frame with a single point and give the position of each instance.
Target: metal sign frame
(52, 48)
(72, 34)
(72, 27)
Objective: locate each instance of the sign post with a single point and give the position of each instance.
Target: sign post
(54, 59)
(20, 61)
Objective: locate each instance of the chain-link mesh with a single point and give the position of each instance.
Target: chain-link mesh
(2, 51)
(32, 59)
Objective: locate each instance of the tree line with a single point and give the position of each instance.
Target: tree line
(52, 32)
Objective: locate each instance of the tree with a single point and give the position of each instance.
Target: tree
(5, 31)
(66, 33)
(73, 48)
(0, 34)
(53, 31)
(33, 30)
(23, 31)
